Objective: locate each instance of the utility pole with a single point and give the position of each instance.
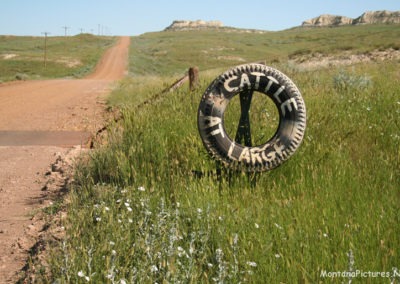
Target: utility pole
(81, 30)
(65, 29)
(45, 48)
(101, 29)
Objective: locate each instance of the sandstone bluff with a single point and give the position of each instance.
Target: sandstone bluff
(181, 25)
(326, 20)
(375, 17)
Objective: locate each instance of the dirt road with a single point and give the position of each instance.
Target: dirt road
(40, 121)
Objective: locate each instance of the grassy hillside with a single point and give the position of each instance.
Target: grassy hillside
(169, 53)
(23, 57)
(138, 214)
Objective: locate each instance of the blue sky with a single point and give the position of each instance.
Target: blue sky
(134, 17)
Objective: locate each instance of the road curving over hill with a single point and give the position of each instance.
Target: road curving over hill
(62, 104)
(42, 123)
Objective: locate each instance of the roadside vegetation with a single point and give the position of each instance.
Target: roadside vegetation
(23, 58)
(148, 207)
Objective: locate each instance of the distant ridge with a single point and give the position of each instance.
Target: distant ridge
(325, 20)
(181, 25)
(370, 17)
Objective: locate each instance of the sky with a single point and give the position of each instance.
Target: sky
(135, 17)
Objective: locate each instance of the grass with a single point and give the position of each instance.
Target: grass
(138, 213)
(169, 53)
(22, 58)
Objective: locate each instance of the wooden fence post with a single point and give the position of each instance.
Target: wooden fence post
(193, 78)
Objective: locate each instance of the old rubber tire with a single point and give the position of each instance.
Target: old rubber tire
(290, 106)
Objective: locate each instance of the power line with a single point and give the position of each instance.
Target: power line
(65, 29)
(45, 48)
(102, 30)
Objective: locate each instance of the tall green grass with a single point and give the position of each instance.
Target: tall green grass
(66, 56)
(139, 214)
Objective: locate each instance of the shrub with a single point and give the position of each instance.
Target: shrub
(345, 81)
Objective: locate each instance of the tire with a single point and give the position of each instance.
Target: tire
(287, 99)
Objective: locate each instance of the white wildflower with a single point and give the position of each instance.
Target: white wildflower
(141, 188)
(235, 239)
(219, 251)
(277, 255)
(111, 243)
(113, 252)
(199, 210)
(129, 209)
(127, 204)
(278, 226)
(256, 225)
(130, 220)
(181, 251)
(107, 208)
(98, 219)
(153, 268)
(325, 235)
(122, 281)
(251, 263)
(82, 275)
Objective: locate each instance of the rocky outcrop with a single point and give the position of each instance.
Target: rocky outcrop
(376, 17)
(193, 25)
(328, 20)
